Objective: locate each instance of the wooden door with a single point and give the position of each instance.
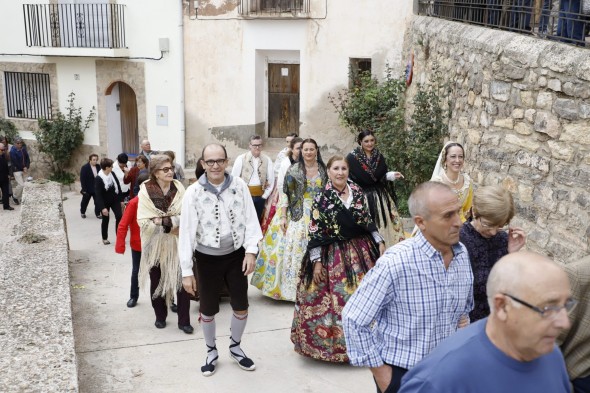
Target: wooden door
(283, 99)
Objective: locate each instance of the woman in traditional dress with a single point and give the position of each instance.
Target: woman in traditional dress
(488, 238)
(368, 169)
(107, 196)
(158, 216)
(344, 244)
(284, 160)
(303, 181)
(448, 170)
(272, 252)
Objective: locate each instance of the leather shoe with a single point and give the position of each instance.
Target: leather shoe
(16, 202)
(160, 324)
(9, 208)
(83, 215)
(131, 303)
(188, 329)
(173, 307)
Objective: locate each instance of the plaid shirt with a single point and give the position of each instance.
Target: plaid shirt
(407, 304)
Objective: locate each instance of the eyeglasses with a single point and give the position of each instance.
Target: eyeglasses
(256, 146)
(489, 226)
(547, 312)
(167, 169)
(219, 162)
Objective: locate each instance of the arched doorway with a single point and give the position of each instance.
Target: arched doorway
(122, 133)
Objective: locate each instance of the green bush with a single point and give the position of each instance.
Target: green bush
(8, 129)
(60, 136)
(380, 106)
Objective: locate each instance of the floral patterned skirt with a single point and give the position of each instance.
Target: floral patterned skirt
(269, 210)
(317, 322)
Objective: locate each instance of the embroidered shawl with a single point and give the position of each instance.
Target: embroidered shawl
(160, 248)
(294, 188)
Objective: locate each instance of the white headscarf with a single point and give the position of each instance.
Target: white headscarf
(108, 181)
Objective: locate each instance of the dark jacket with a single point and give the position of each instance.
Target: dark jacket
(3, 169)
(87, 178)
(106, 198)
(19, 158)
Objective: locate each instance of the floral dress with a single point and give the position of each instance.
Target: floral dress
(464, 195)
(344, 232)
(277, 267)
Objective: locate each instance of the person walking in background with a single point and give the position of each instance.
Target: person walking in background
(270, 261)
(88, 173)
(369, 170)
(107, 191)
(256, 170)
(178, 171)
(449, 170)
(219, 230)
(488, 238)
(281, 165)
(513, 350)
(4, 177)
(129, 222)
(419, 292)
(8, 146)
(158, 217)
(19, 158)
(284, 153)
(344, 244)
(140, 167)
(146, 149)
(571, 26)
(121, 170)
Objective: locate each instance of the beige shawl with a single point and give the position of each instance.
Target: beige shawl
(159, 248)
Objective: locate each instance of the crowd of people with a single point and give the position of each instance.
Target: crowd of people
(328, 237)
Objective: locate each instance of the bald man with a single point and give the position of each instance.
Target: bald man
(513, 350)
(419, 292)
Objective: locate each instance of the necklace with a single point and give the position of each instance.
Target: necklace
(453, 182)
(340, 192)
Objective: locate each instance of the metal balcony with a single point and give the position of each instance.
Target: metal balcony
(274, 8)
(75, 25)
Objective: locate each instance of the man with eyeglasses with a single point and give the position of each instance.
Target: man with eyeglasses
(256, 170)
(513, 350)
(575, 342)
(219, 229)
(4, 178)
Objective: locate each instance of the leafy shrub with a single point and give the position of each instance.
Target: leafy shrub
(8, 129)
(60, 136)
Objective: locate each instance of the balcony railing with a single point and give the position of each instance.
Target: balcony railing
(561, 20)
(75, 25)
(274, 8)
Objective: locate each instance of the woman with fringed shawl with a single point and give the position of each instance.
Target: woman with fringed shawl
(369, 170)
(158, 216)
(344, 244)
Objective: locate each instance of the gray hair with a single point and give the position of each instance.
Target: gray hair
(156, 162)
(419, 198)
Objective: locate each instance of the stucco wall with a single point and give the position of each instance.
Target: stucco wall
(224, 54)
(521, 106)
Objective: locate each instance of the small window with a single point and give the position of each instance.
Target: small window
(28, 95)
(357, 67)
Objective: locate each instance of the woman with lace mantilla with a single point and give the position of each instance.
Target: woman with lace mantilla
(448, 170)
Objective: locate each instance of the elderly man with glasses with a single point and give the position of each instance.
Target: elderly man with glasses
(256, 170)
(513, 350)
(4, 178)
(220, 232)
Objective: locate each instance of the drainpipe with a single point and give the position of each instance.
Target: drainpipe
(180, 156)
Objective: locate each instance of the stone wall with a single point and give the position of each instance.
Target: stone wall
(521, 107)
(36, 332)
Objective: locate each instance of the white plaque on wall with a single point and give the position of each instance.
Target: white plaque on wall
(161, 115)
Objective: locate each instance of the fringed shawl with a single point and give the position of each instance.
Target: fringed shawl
(294, 187)
(159, 248)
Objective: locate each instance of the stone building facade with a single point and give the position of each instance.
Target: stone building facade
(521, 107)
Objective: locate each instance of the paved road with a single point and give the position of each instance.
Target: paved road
(120, 350)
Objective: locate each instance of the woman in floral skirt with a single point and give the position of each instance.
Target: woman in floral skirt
(344, 244)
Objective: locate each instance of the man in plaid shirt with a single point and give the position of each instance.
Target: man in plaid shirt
(419, 292)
